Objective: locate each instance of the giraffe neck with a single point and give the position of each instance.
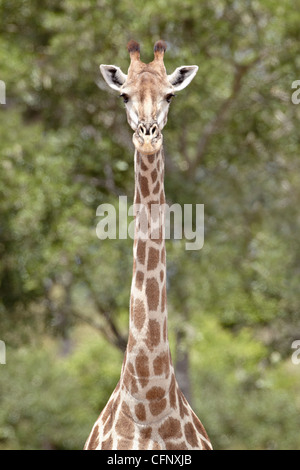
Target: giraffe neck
(148, 361)
(147, 410)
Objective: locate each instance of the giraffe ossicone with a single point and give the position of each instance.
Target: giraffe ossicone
(147, 410)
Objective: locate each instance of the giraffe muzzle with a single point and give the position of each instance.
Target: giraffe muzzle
(147, 138)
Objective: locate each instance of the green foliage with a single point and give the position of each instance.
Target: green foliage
(48, 400)
(231, 143)
(238, 391)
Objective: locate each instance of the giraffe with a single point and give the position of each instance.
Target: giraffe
(147, 410)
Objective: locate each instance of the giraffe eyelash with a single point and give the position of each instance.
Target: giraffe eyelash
(169, 97)
(125, 97)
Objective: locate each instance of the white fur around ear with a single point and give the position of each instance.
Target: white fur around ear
(113, 76)
(182, 76)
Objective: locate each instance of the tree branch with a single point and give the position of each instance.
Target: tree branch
(214, 125)
(113, 335)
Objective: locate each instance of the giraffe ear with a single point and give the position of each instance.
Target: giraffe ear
(113, 76)
(182, 76)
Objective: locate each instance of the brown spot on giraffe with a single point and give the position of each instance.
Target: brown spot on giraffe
(116, 402)
(140, 412)
(190, 434)
(161, 364)
(143, 165)
(157, 407)
(163, 298)
(108, 425)
(152, 292)
(157, 400)
(141, 251)
(137, 197)
(154, 175)
(107, 444)
(131, 342)
(127, 378)
(146, 433)
(170, 429)
(124, 444)
(165, 333)
(145, 436)
(151, 159)
(94, 441)
(162, 197)
(153, 334)
(107, 411)
(139, 280)
(153, 258)
(124, 425)
(183, 410)
(142, 368)
(134, 387)
(156, 188)
(180, 446)
(200, 428)
(155, 393)
(197, 423)
(163, 256)
(139, 314)
(144, 186)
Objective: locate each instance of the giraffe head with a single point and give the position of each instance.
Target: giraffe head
(147, 91)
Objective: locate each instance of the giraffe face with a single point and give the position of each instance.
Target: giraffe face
(147, 92)
(147, 99)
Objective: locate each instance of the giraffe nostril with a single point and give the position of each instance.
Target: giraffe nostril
(142, 130)
(148, 130)
(154, 130)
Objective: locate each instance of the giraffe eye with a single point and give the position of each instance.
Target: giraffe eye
(169, 97)
(125, 97)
